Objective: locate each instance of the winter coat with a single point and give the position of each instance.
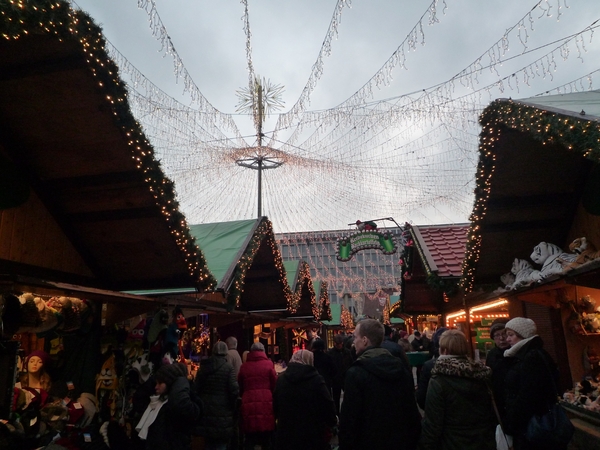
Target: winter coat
(342, 360)
(303, 408)
(325, 366)
(396, 350)
(218, 389)
(494, 356)
(171, 430)
(257, 380)
(379, 411)
(529, 387)
(458, 410)
(423, 382)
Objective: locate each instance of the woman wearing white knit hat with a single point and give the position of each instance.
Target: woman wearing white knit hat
(530, 381)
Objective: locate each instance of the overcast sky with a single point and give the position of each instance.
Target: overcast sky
(286, 39)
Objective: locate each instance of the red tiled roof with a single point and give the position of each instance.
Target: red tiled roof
(443, 247)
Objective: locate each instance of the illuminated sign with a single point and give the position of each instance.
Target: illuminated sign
(365, 240)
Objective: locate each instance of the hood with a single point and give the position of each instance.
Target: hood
(380, 363)
(256, 355)
(299, 373)
(463, 367)
(212, 364)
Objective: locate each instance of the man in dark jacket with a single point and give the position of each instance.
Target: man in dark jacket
(342, 360)
(393, 347)
(379, 410)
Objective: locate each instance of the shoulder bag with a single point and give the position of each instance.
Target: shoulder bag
(552, 429)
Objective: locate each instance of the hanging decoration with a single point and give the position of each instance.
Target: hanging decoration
(324, 303)
(358, 144)
(299, 336)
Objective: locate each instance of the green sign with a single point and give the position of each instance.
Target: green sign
(365, 240)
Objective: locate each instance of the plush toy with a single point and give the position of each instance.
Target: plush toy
(522, 271)
(551, 258)
(107, 384)
(143, 366)
(38, 316)
(584, 251)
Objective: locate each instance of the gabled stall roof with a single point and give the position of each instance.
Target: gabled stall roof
(537, 168)
(437, 256)
(247, 264)
(303, 292)
(66, 129)
(442, 248)
(336, 311)
(323, 303)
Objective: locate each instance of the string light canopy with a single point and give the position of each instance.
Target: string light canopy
(410, 155)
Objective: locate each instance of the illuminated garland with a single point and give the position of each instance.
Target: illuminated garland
(264, 232)
(575, 134)
(346, 320)
(324, 304)
(20, 18)
(305, 279)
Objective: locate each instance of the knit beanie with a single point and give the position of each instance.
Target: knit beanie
(496, 327)
(522, 326)
(167, 373)
(45, 357)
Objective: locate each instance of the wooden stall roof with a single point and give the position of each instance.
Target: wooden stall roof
(323, 303)
(301, 285)
(438, 254)
(247, 264)
(537, 177)
(88, 172)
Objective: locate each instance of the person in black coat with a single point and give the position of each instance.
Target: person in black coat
(323, 362)
(393, 347)
(217, 387)
(498, 335)
(379, 410)
(342, 360)
(531, 381)
(169, 419)
(303, 406)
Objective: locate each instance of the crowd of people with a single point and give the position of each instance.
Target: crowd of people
(361, 390)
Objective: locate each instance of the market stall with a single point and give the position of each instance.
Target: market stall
(85, 214)
(534, 227)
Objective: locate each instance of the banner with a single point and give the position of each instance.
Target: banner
(365, 240)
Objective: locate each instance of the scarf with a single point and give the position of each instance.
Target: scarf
(149, 416)
(515, 348)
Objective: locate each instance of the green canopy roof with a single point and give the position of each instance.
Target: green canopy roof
(222, 244)
(291, 270)
(336, 312)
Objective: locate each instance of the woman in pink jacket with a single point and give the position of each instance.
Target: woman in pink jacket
(257, 380)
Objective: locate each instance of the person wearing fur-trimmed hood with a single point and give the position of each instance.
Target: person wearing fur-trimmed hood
(458, 409)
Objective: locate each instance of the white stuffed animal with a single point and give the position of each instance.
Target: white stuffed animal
(551, 258)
